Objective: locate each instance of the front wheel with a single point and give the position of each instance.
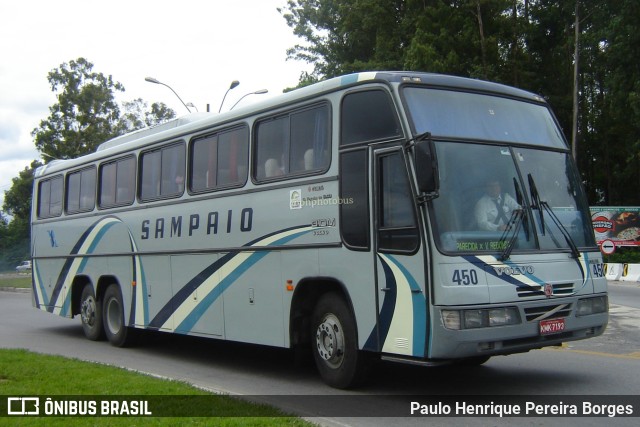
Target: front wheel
(115, 327)
(91, 314)
(335, 345)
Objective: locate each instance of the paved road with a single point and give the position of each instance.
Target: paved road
(607, 365)
(625, 293)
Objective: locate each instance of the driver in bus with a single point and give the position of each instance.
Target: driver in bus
(494, 209)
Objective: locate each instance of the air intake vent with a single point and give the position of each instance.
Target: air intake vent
(534, 314)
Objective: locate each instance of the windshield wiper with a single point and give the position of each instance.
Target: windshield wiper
(515, 222)
(520, 200)
(519, 218)
(544, 206)
(535, 202)
(574, 249)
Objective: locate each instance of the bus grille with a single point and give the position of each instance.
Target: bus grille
(548, 311)
(559, 289)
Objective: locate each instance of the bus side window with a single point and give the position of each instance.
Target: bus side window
(398, 230)
(50, 197)
(163, 172)
(117, 182)
(309, 140)
(368, 116)
(81, 190)
(293, 144)
(219, 160)
(354, 190)
(271, 142)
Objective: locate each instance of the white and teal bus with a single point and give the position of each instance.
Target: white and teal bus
(350, 217)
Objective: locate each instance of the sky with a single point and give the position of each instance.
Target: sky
(198, 47)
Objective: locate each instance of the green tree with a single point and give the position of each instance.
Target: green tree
(138, 115)
(14, 235)
(17, 200)
(530, 44)
(620, 43)
(346, 36)
(85, 115)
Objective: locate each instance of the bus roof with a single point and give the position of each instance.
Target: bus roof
(196, 121)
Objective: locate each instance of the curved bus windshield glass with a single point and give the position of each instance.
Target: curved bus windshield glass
(557, 184)
(466, 115)
(481, 193)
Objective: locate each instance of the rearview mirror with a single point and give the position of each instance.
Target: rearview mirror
(426, 166)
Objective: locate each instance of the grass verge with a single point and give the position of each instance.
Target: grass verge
(15, 281)
(24, 373)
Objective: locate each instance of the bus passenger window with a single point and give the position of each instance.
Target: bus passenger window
(294, 144)
(81, 190)
(117, 182)
(271, 141)
(233, 153)
(50, 197)
(163, 173)
(309, 140)
(219, 160)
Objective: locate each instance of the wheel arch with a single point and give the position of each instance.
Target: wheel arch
(307, 293)
(103, 284)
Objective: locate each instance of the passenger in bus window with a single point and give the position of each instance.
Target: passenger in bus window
(493, 210)
(179, 183)
(272, 168)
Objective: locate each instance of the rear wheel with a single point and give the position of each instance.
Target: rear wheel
(115, 327)
(91, 314)
(335, 345)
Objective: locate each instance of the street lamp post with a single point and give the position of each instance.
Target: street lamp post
(158, 82)
(234, 84)
(258, 92)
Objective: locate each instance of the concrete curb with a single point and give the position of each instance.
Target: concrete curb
(16, 290)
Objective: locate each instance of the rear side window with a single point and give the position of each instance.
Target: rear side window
(354, 192)
(81, 191)
(163, 172)
(50, 197)
(368, 116)
(293, 144)
(219, 160)
(118, 182)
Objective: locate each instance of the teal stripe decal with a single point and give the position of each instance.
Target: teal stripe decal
(419, 310)
(188, 323)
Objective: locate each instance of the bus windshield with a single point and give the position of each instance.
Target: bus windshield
(485, 191)
(448, 113)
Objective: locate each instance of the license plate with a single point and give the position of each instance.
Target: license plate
(551, 326)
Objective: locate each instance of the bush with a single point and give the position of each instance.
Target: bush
(624, 256)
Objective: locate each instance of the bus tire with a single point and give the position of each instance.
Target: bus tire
(334, 343)
(115, 328)
(91, 314)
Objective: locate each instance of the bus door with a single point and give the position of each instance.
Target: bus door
(401, 299)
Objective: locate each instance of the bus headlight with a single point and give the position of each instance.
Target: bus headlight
(480, 318)
(589, 306)
(451, 319)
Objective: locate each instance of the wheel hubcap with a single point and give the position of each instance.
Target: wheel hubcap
(114, 316)
(88, 311)
(330, 341)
